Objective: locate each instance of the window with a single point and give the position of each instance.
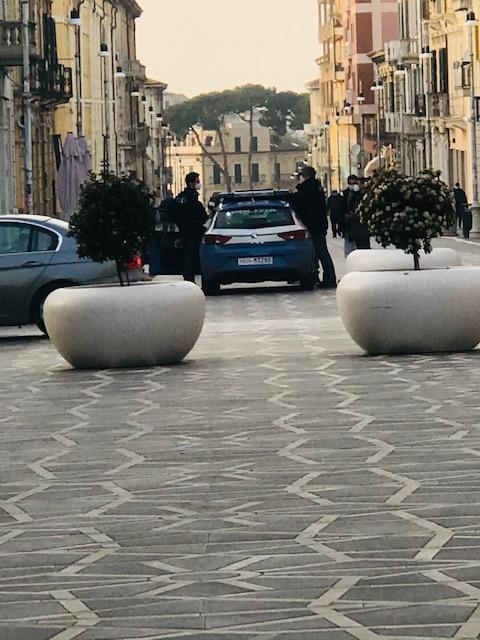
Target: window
(434, 72)
(238, 145)
(208, 141)
(443, 70)
(255, 172)
(238, 173)
(278, 172)
(466, 75)
(43, 240)
(23, 238)
(255, 144)
(14, 238)
(217, 177)
(254, 218)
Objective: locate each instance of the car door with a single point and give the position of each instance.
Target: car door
(25, 252)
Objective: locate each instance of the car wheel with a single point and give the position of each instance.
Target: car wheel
(307, 283)
(39, 301)
(210, 288)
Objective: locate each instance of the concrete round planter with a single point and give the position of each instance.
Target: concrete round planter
(395, 312)
(396, 259)
(112, 327)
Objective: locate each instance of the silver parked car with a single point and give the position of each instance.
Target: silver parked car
(37, 257)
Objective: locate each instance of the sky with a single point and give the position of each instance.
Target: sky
(198, 46)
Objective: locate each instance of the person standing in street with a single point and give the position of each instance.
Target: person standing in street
(461, 203)
(357, 235)
(190, 216)
(335, 208)
(310, 205)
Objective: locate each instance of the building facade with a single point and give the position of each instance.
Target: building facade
(274, 162)
(51, 86)
(343, 129)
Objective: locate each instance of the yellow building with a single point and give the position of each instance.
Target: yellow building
(97, 39)
(50, 86)
(273, 162)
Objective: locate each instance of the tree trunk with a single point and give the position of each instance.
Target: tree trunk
(226, 173)
(223, 169)
(416, 261)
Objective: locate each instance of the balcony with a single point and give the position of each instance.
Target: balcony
(11, 50)
(51, 83)
(406, 124)
(134, 69)
(439, 105)
(401, 51)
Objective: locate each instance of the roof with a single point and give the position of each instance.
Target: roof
(150, 82)
(133, 6)
(53, 223)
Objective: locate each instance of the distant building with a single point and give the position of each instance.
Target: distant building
(172, 99)
(273, 161)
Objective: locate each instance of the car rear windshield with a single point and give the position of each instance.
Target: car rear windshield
(254, 218)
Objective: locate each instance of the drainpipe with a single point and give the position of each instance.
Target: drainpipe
(27, 105)
(78, 73)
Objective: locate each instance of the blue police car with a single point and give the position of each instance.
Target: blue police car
(255, 236)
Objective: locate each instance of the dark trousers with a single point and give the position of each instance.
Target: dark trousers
(191, 245)
(335, 229)
(363, 243)
(323, 256)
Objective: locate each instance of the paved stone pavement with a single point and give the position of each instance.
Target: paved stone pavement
(277, 485)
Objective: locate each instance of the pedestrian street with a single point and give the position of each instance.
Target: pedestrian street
(276, 485)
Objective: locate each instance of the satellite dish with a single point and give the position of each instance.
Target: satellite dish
(355, 150)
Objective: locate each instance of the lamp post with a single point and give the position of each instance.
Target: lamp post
(76, 22)
(339, 168)
(425, 56)
(348, 110)
(377, 88)
(400, 72)
(27, 107)
(329, 156)
(471, 23)
(361, 102)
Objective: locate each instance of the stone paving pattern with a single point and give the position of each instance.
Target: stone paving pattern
(277, 485)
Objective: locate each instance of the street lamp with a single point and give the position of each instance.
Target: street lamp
(329, 164)
(425, 56)
(400, 73)
(120, 73)
(135, 92)
(361, 102)
(377, 89)
(75, 18)
(104, 52)
(471, 23)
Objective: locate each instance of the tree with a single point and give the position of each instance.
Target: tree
(286, 109)
(247, 100)
(207, 111)
(407, 212)
(115, 220)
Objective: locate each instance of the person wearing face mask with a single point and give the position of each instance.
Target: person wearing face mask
(309, 203)
(357, 235)
(190, 216)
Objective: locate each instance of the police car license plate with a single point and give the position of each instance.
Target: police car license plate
(248, 262)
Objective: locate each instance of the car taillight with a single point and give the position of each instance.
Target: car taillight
(298, 234)
(135, 263)
(216, 239)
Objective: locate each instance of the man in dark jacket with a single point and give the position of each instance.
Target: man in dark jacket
(310, 205)
(336, 209)
(461, 202)
(357, 235)
(190, 216)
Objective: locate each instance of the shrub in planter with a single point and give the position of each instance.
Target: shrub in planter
(104, 327)
(407, 212)
(115, 220)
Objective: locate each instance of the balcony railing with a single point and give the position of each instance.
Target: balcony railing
(440, 105)
(134, 69)
(11, 49)
(401, 50)
(51, 83)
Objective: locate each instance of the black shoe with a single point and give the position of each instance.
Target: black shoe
(327, 285)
